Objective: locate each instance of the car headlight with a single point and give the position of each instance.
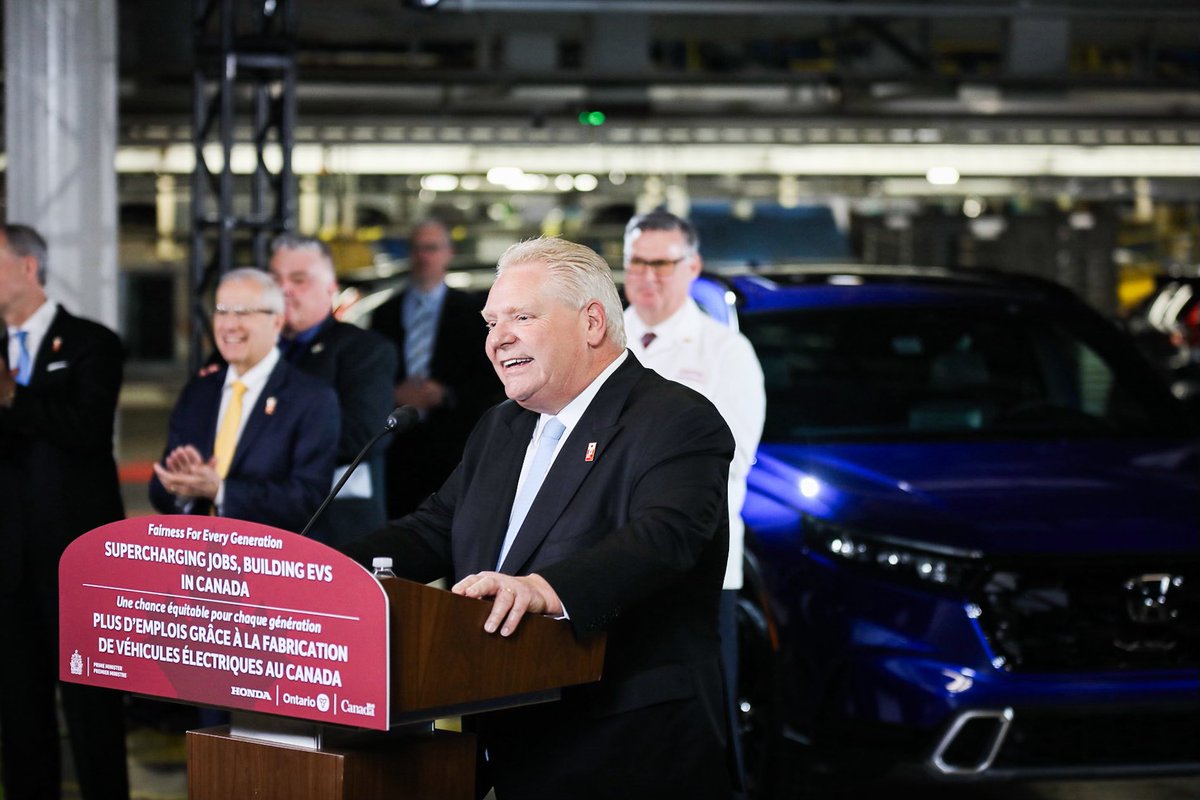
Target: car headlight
(892, 558)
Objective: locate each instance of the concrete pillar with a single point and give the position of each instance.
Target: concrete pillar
(60, 122)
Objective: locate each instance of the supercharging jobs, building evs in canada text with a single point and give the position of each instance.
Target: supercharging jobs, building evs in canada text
(221, 612)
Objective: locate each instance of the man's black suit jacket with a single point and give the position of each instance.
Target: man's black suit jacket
(421, 459)
(282, 467)
(359, 365)
(634, 542)
(58, 478)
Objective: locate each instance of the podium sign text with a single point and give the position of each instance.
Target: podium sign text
(226, 613)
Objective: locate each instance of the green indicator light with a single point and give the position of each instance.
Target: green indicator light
(596, 118)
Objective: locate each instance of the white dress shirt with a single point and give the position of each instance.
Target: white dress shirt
(718, 362)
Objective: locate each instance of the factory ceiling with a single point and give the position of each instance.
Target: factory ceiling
(996, 66)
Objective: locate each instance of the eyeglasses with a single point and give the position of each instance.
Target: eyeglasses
(661, 266)
(241, 312)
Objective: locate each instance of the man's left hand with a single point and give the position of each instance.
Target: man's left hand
(515, 596)
(423, 394)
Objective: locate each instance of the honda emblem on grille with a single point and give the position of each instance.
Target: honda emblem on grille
(1151, 599)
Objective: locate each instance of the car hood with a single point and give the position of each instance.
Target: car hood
(1064, 496)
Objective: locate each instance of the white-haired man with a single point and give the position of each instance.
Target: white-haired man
(358, 364)
(596, 492)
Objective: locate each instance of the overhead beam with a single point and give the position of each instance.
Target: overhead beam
(1024, 8)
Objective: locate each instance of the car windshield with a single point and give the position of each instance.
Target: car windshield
(939, 371)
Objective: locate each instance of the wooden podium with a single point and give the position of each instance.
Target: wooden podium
(334, 678)
(442, 664)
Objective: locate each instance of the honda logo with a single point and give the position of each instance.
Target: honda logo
(1153, 599)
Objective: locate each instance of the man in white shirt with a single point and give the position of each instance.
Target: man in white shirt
(669, 333)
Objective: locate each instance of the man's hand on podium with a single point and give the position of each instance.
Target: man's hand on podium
(514, 597)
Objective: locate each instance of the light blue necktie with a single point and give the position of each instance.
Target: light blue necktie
(418, 337)
(24, 362)
(551, 433)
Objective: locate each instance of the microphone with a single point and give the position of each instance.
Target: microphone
(399, 420)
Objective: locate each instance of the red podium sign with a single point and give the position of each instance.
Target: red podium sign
(222, 612)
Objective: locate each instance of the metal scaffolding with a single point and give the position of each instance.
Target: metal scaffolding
(244, 119)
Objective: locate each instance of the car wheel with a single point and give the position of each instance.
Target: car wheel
(758, 716)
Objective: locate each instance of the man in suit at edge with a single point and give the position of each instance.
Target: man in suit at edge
(627, 534)
(442, 370)
(59, 382)
(254, 440)
(358, 364)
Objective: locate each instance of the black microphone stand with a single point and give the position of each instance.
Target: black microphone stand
(400, 419)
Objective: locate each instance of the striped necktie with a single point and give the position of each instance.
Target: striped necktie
(418, 337)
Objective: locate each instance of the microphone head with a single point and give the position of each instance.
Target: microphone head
(402, 418)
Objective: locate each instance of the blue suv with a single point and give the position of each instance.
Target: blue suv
(973, 531)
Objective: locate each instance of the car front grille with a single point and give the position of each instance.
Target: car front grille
(1056, 740)
(1120, 614)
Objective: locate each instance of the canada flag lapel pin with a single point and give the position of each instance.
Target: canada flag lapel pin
(591, 452)
(270, 407)
(56, 344)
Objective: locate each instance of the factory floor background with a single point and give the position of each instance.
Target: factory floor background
(155, 731)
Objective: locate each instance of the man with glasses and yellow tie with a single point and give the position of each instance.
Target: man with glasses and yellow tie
(256, 440)
(59, 380)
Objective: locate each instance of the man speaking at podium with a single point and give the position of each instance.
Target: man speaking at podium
(596, 493)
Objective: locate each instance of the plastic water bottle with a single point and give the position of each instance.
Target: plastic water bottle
(381, 567)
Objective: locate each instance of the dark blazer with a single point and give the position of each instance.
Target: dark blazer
(283, 465)
(421, 459)
(359, 365)
(634, 543)
(58, 480)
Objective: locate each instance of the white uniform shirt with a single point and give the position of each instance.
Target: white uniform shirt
(694, 349)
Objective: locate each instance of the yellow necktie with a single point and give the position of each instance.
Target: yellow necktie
(227, 436)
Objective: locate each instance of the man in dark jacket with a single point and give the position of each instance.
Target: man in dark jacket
(59, 382)
(595, 493)
(256, 439)
(442, 370)
(358, 364)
